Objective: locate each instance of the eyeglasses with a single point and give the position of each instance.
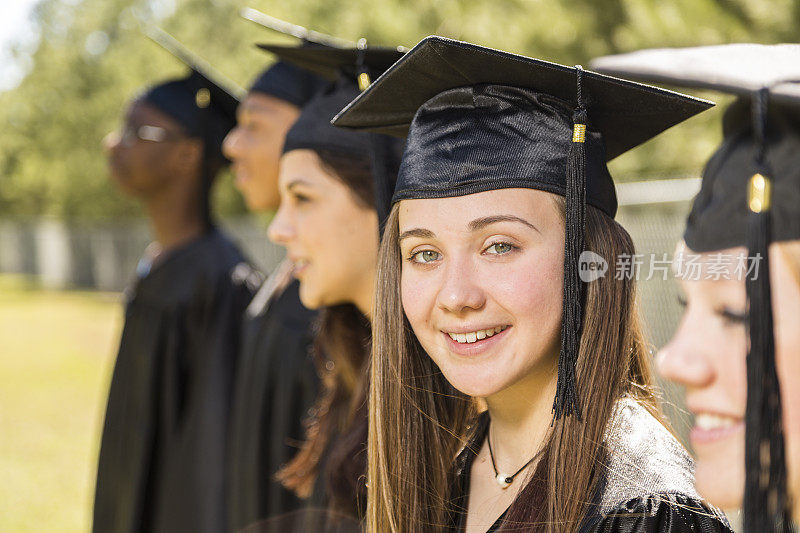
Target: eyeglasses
(130, 134)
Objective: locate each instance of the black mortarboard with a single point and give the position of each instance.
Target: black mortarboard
(352, 68)
(289, 83)
(331, 63)
(750, 195)
(479, 119)
(203, 102)
(284, 80)
(299, 32)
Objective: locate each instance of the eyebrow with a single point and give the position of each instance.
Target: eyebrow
(480, 223)
(475, 225)
(417, 232)
(297, 183)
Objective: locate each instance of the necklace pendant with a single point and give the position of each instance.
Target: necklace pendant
(504, 480)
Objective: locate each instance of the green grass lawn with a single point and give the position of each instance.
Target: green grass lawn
(56, 354)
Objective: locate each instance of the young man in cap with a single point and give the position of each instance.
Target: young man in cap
(276, 381)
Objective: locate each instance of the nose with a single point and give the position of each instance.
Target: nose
(231, 144)
(686, 360)
(111, 141)
(459, 292)
(281, 230)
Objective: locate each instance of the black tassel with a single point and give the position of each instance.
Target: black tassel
(381, 160)
(766, 505)
(380, 151)
(566, 401)
(203, 102)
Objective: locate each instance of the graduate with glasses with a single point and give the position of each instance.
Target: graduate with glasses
(511, 389)
(162, 453)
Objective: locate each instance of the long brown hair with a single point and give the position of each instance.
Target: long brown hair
(336, 428)
(418, 421)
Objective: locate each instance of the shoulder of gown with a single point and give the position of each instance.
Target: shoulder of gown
(648, 480)
(198, 270)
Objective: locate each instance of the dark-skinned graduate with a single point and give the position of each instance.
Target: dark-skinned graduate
(163, 448)
(276, 379)
(334, 193)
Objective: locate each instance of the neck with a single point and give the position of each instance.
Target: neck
(365, 298)
(521, 417)
(175, 218)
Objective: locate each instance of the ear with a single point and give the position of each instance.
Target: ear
(189, 153)
(191, 150)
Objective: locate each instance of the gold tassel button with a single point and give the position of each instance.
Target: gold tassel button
(759, 194)
(202, 98)
(363, 81)
(579, 133)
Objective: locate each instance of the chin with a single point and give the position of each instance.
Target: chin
(473, 382)
(720, 480)
(308, 298)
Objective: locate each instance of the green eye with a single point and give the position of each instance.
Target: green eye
(425, 256)
(499, 248)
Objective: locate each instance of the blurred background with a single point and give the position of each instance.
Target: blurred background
(69, 242)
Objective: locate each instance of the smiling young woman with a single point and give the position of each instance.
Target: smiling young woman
(328, 222)
(506, 392)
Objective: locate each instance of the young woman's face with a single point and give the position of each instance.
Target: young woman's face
(707, 356)
(481, 285)
(331, 238)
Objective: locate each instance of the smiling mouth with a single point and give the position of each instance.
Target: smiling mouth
(711, 422)
(711, 428)
(475, 336)
(299, 265)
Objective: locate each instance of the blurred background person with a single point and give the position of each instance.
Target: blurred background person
(737, 350)
(276, 381)
(162, 455)
(330, 182)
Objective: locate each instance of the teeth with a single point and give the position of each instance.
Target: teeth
(473, 336)
(708, 421)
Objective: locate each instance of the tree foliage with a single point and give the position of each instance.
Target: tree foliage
(92, 58)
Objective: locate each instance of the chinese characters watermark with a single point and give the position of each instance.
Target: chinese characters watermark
(684, 265)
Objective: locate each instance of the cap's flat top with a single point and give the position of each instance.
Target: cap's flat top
(730, 68)
(330, 62)
(287, 28)
(195, 62)
(626, 113)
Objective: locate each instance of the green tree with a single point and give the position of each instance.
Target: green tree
(92, 58)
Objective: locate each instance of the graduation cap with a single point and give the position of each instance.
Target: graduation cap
(204, 102)
(352, 69)
(480, 119)
(287, 81)
(360, 62)
(750, 196)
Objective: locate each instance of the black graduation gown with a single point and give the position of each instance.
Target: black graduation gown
(647, 484)
(162, 454)
(276, 385)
